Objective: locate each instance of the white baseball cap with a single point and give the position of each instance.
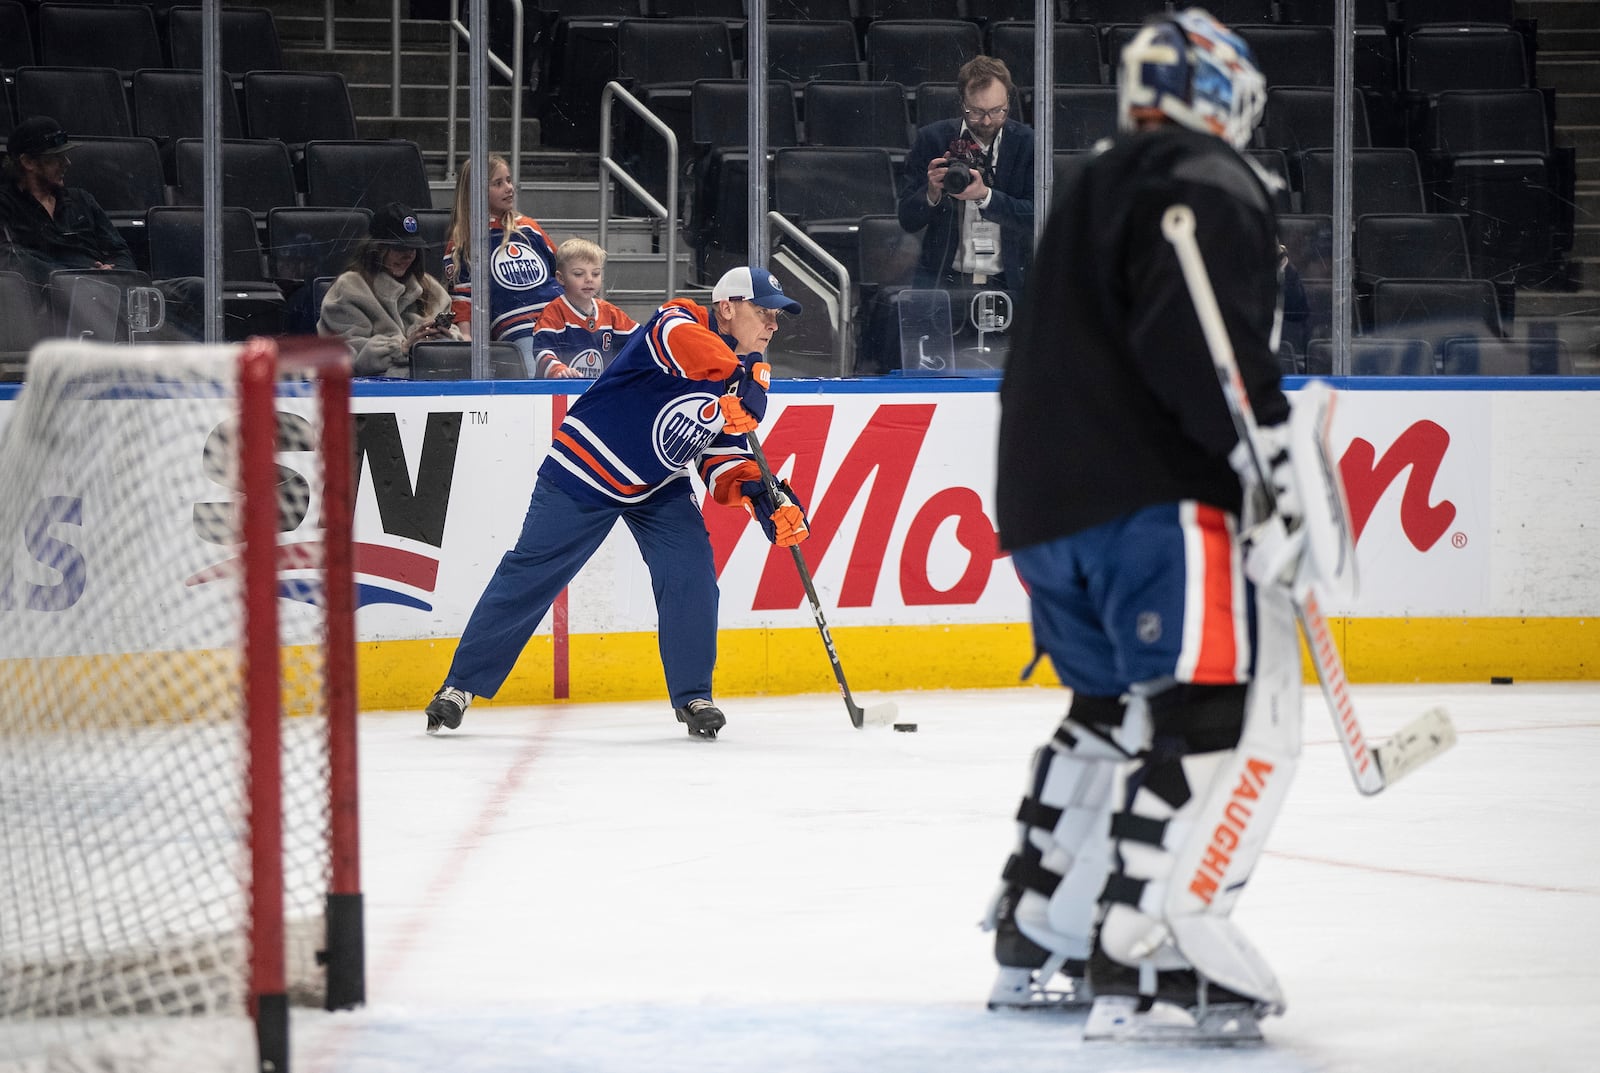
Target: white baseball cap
(756, 285)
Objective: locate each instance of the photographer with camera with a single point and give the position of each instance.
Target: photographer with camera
(968, 185)
(386, 302)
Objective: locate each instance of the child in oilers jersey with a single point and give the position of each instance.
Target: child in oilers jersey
(522, 260)
(579, 332)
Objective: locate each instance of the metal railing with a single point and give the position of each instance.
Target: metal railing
(513, 72)
(610, 169)
(844, 327)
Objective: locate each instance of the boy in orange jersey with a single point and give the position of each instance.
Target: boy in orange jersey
(579, 332)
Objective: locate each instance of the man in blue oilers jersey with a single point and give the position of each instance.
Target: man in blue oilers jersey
(682, 392)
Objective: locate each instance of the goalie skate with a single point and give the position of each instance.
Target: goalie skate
(1017, 988)
(1119, 1019)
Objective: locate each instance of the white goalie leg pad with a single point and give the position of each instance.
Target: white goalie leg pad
(1064, 825)
(1184, 866)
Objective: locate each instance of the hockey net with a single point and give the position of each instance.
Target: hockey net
(177, 754)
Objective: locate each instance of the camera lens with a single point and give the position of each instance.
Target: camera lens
(957, 177)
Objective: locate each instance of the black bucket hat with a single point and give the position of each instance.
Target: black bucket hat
(396, 225)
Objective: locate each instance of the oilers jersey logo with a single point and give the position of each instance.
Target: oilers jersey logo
(587, 364)
(517, 267)
(683, 428)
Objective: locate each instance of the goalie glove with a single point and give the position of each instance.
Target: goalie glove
(782, 516)
(1273, 521)
(745, 403)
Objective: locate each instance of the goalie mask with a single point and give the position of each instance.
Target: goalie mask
(1196, 72)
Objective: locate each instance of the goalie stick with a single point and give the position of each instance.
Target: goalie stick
(877, 714)
(1372, 767)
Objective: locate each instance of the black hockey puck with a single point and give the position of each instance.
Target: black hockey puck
(906, 728)
(1500, 680)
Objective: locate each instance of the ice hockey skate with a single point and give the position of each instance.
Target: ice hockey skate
(702, 718)
(1185, 1008)
(1030, 976)
(446, 708)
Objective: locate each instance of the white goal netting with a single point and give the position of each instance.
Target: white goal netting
(125, 812)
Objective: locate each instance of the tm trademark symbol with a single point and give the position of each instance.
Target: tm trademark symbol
(1458, 539)
(478, 417)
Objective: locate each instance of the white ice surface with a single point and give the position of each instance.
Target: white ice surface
(584, 888)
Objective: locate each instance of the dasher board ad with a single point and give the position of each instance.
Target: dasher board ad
(1467, 503)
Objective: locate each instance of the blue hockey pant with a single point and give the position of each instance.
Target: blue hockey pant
(558, 536)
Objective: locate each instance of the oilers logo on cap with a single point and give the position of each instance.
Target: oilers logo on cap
(756, 285)
(516, 266)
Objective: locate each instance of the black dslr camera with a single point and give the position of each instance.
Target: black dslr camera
(964, 158)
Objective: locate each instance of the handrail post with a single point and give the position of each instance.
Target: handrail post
(610, 169)
(394, 60)
(459, 32)
(844, 338)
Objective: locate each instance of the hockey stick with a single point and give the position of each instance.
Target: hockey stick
(878, 714)
(1372, 767)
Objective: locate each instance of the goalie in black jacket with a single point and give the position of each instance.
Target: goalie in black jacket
(1121, 510)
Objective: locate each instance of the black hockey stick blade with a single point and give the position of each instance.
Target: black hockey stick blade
(1414, 744)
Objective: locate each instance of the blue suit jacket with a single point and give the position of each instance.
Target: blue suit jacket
(1011, 207)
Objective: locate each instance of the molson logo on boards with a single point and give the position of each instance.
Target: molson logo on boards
(410, 509)
(1420, 448)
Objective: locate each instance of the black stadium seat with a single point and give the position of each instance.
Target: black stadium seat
(910, 51)
(16, 37)
(348, 174)
(799, 52)
(296, 107)
(169, 103)
(256, 174)
(1077, 52)
(176, 233)
(1382, 180)
(858, 113)
(303, 243)
(84, 100)
(119, 36)
(249, 39)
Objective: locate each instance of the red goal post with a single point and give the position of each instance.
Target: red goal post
(179, 825)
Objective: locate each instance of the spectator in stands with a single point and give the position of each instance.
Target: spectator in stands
(46, 225)
(579, 332)
(522, 260)
(386, 303)
(977, 231)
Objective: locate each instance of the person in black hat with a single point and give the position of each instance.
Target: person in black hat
(386, 302)
(44, 223)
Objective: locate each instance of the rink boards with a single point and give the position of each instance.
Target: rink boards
(1477, 503)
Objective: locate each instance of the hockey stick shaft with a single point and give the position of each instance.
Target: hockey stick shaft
(857, 715)
(1420, 740)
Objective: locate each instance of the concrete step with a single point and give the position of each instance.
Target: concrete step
(431, 133)
(371, 66)
(418, 99)
(1568, 72)
(1584, 137)
(1586, 242)
(299, 31)
(1559, 14)
(1578, 107)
